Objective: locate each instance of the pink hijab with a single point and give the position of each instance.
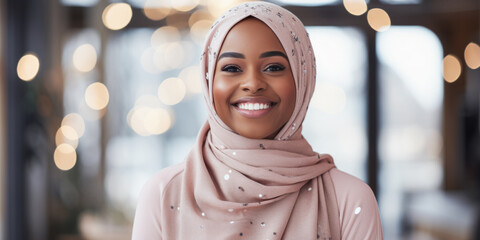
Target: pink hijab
(239, 188)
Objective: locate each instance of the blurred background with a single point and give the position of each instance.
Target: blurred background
(96, 96)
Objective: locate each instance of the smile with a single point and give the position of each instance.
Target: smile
(253, 107)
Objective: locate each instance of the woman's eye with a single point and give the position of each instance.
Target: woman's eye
(231, 68)
(274, 68)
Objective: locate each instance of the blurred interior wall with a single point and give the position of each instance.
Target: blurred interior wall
(2, 125)
(3, 153)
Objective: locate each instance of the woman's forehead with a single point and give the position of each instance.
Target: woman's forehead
(250, 35)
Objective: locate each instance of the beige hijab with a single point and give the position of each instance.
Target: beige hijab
(239, 188)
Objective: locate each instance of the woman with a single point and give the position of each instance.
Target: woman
(251, 174)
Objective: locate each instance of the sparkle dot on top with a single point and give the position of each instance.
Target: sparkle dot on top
(178, 208)
(232, 222)
(234, 153)
(203, 214)
(227, 176)
(357, 210)
(230, 171)
(260, 195)
(230, 210)
(309, 189)
(262, 224)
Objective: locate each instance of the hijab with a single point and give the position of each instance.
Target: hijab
(234, 187)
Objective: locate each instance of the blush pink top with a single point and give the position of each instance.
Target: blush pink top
(359, 216)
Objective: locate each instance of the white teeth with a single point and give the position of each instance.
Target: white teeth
(253, 106)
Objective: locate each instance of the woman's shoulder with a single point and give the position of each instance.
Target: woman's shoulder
(148, 213)
(348, 186)
(358, 209)
(158, 182)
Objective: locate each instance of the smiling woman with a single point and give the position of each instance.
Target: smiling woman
(251, 173)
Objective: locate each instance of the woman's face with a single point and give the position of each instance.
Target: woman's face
(253, 86)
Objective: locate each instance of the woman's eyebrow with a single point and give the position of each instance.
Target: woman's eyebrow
(231, 54)
(273, 53)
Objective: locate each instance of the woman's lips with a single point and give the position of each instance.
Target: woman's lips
(253, 107)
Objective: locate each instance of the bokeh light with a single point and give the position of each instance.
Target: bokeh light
(200, 14)
(85, 58)
(472, 55)
(96, 96)
(157, 121)
(156, 9)
(69, 132)
(355, 7)
(451, 68)
(65, 157)
(199, 31)
(117, 15)
(217, 8)
(378, 19)
(27, 67)
(192, 78)
(61, 139)
(184, 5)
(169, 56)
(171, 91)
(329, 98)
(163, 35)
(146, 121)
(75, 121)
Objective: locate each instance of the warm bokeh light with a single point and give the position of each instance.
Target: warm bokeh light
(355, 7)
(61, 139)
(27, 67)
(157, 121)
(192, 78)
(147, 121)
(217, 8)
(69, 132)
(184, 5)
(65, 157)
(169, 56)
(165, 35)
(171, 91)
(75, 121)
(378, 19)
(329, 98)
(156, 9)
(117, 15)
(199, 31)
(200, 14)
(451, 68)
(472, 55)
(85, 58)
(96, 96)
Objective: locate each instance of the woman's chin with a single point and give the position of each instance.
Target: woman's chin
(256, 133)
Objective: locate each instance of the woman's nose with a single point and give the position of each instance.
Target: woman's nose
(253, 82)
